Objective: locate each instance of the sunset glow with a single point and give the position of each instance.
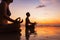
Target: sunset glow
(50, 13)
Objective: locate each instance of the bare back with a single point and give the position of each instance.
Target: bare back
(3, 11)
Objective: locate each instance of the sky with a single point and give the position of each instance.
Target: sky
(42, 11)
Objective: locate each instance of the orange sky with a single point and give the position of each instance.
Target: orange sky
(50, 13)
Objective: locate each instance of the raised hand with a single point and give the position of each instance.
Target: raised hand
(19, 20)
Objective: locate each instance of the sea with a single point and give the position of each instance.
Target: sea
(43, 33)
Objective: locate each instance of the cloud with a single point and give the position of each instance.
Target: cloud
(52, 3)
(40, 6)
(44, 3)
(47, 2)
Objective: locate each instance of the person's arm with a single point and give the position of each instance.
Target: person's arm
(19, 20)
(5, 12)
(29, 21)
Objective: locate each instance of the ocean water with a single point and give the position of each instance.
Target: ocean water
(43, 33)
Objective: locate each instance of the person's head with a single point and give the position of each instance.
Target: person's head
(8, 1)
(27, 14)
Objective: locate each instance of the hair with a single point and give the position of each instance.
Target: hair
(5, 0)
(8, 0)
(28, 14)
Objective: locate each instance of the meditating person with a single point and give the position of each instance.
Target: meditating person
(29, 26)
(9, 31)
(5, 13)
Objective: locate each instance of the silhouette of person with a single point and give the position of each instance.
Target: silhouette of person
(27, 33)
(29, 27)
(5, 16)
(5, 12)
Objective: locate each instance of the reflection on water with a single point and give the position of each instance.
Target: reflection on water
(44, 33)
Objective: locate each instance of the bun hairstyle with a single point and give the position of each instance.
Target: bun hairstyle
(27, 14)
